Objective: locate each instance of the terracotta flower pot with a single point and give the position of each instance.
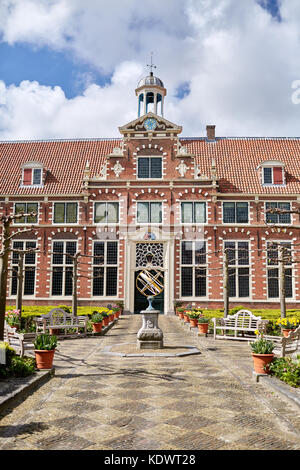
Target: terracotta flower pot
(260, 361)
(186, 318)
(193, 322)
(54, 331)
(44, 358)
(286, 332)
(203, 327)
(97, 327)
(106, 321)
(111, 317)
(181, 315)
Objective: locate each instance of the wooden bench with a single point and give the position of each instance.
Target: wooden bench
(58, 319)
(287, 344)
(240, 323)
(20, 342)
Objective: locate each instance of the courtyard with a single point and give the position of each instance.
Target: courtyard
(100, 401)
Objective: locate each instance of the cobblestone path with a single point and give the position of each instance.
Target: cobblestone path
(207, 401)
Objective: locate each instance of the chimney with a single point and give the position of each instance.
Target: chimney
(211, 132)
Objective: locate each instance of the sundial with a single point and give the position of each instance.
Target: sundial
(150, 284)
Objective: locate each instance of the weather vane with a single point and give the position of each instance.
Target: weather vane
(151, 66)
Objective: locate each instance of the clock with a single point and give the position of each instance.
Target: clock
(150, 124)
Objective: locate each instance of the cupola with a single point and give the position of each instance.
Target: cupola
(150, 93)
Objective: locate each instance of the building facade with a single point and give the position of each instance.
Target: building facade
(152, 196)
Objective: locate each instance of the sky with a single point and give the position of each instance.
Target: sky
(69, 69)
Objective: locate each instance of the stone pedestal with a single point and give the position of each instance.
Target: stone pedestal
(150, 336)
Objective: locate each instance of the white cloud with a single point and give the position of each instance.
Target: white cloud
(239, 61)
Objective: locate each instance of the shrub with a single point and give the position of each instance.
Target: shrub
(16, 366)
(65, 308)
(286, 370)
(234, 310)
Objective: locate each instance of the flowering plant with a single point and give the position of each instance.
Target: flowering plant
(96, 317)
(13, 317)
(203, 320)
(288, 323)
(193, 314)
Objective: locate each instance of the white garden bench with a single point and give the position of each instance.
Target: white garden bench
(20, 342)
(57, 318)
(287, 344)
(240, 323)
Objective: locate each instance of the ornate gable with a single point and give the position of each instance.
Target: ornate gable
(150, 125)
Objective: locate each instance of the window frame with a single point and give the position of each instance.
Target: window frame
(149, 157)
(105, 265)
(62, 265)
(238, 266)
(16, 221)
(106, 223)
(149, 213)
(235, 211)
(32, 167)
(278, 215)
(34, 265)
(194, 266)
(65, 223)
(276, 266)
(193, 202)
(272, 166)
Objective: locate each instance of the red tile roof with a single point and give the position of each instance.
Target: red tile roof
(236, 160)
(65, 161)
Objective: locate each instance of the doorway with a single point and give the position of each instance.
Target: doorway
(141, 302)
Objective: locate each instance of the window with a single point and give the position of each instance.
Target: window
(65, 213)
(278, 218)
(193, 269)
(239, 268)
(105, 269)
(32, 176)
(62, 267)
(149, 212)
(273, 250)
(106, 213)
(273, 175)
(235, 213)
(26, 208)
(29, 267)
(193, 212)
(149, 167)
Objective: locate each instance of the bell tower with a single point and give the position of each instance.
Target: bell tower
(150, 93)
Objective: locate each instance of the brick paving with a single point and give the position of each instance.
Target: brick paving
(96, 401)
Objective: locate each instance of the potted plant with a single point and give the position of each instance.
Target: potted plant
(116, 311)
(105, 316)
(193, 318)
(177, 306)
(120, 304)
(262, 353)
(287, 325)
(186, 314)
(13, 318)
(180, 312)
(44, 349)
(203, 325)
(96, 320)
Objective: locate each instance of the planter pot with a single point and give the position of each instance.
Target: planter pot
(97, 327)
(186, 318)
(203, 327)
(44, 358)
(181, 315)
(286, 332)
(54, 331)
(260, 361)
(15, 326)
(106, 321)
(111, 318)
(193, 322)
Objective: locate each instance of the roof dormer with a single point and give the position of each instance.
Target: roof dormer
(272, 173)
(32, 174)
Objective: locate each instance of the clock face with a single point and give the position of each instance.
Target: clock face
(150, 124)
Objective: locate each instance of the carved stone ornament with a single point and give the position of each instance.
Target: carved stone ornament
(117, 151)
(182, 168)
(117, 168)
(183, 151)
(103, 172)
